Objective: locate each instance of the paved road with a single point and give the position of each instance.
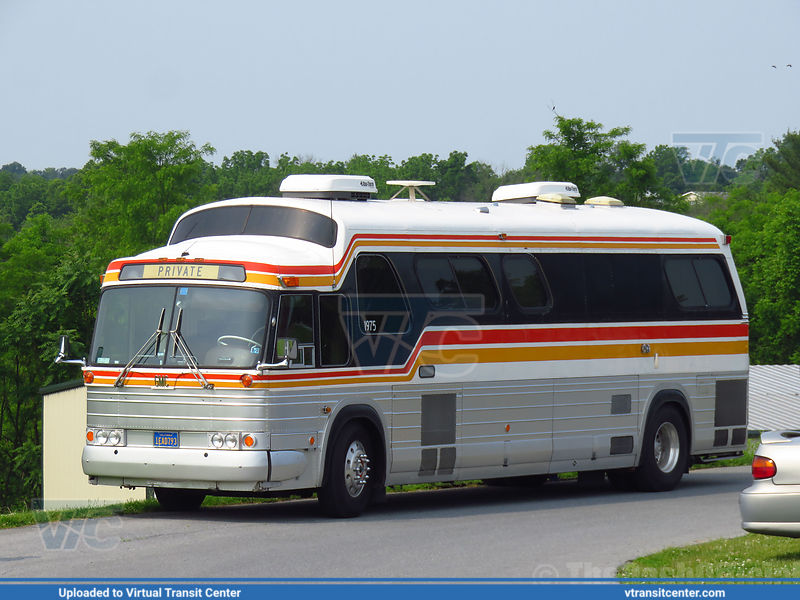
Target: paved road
(557, 530)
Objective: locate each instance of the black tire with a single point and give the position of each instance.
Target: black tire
(664, 452)
(346, 491)
(180, 500)
(621, 479)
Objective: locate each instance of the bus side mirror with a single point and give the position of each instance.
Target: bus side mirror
(287, 348)
(63, 353)
(63, 348)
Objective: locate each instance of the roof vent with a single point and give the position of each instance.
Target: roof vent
(413, 188)
(556, 198)
(329, 187)
(604, 201)
(562, 192)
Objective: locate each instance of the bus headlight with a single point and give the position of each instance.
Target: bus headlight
(217, 440)
(231, 440)
(115, 437)
(101, 437)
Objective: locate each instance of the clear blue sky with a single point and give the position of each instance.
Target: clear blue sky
(327, 79)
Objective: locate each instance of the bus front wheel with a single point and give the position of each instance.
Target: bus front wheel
(346, 491)
(664, 452)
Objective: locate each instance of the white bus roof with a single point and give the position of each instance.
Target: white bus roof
(456, 227)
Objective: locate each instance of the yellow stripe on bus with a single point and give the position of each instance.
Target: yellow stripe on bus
(537, 354)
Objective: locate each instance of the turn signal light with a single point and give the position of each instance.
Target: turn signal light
(289, 280)
(88, 377)
(249, 441)
(763, 468)
(247, 380)
(90, 436)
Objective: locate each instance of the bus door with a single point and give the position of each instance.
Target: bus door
(294, 408)
(594, 419)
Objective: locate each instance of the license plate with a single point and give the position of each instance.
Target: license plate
(167, 439)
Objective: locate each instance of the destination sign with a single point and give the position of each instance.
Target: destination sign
(181, 271)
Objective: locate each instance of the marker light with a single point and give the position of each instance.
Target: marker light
(88, 377)
(247, 380)
(763, 468)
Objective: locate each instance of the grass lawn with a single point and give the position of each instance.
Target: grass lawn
(749, 556)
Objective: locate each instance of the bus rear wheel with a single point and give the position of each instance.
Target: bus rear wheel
(180, 500)
(346, 491)
(664, 452)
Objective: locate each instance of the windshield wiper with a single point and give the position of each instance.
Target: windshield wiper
(153, 340)
(181, 345)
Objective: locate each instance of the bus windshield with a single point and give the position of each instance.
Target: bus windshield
(222, 327)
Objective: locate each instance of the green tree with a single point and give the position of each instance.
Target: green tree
(774, 284)
(16, 202)
(129, 196)
(46, 288)
(752, 171)
(381, 169)
(600, 163)
(15, 169)
(784, 163)
(669, 161)
(246, 174)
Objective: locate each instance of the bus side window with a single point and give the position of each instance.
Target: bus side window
(525, 281)
(333, 330)
(698, 282)
(296, 321)
(461, 283)
(381, 303)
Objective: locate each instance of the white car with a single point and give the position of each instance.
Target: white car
(772, 504)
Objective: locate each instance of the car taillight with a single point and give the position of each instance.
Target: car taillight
(763, 468)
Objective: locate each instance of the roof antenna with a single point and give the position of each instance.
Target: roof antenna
(413, 188)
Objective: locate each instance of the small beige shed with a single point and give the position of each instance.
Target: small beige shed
(64, 424)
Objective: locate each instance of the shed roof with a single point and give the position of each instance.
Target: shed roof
(774, 397)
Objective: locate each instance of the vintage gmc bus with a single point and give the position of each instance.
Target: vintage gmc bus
(329, 342)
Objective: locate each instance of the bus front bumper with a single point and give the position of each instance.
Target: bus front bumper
(136, 465)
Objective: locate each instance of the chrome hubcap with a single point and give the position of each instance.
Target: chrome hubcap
(356, 468)
(666, 447)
